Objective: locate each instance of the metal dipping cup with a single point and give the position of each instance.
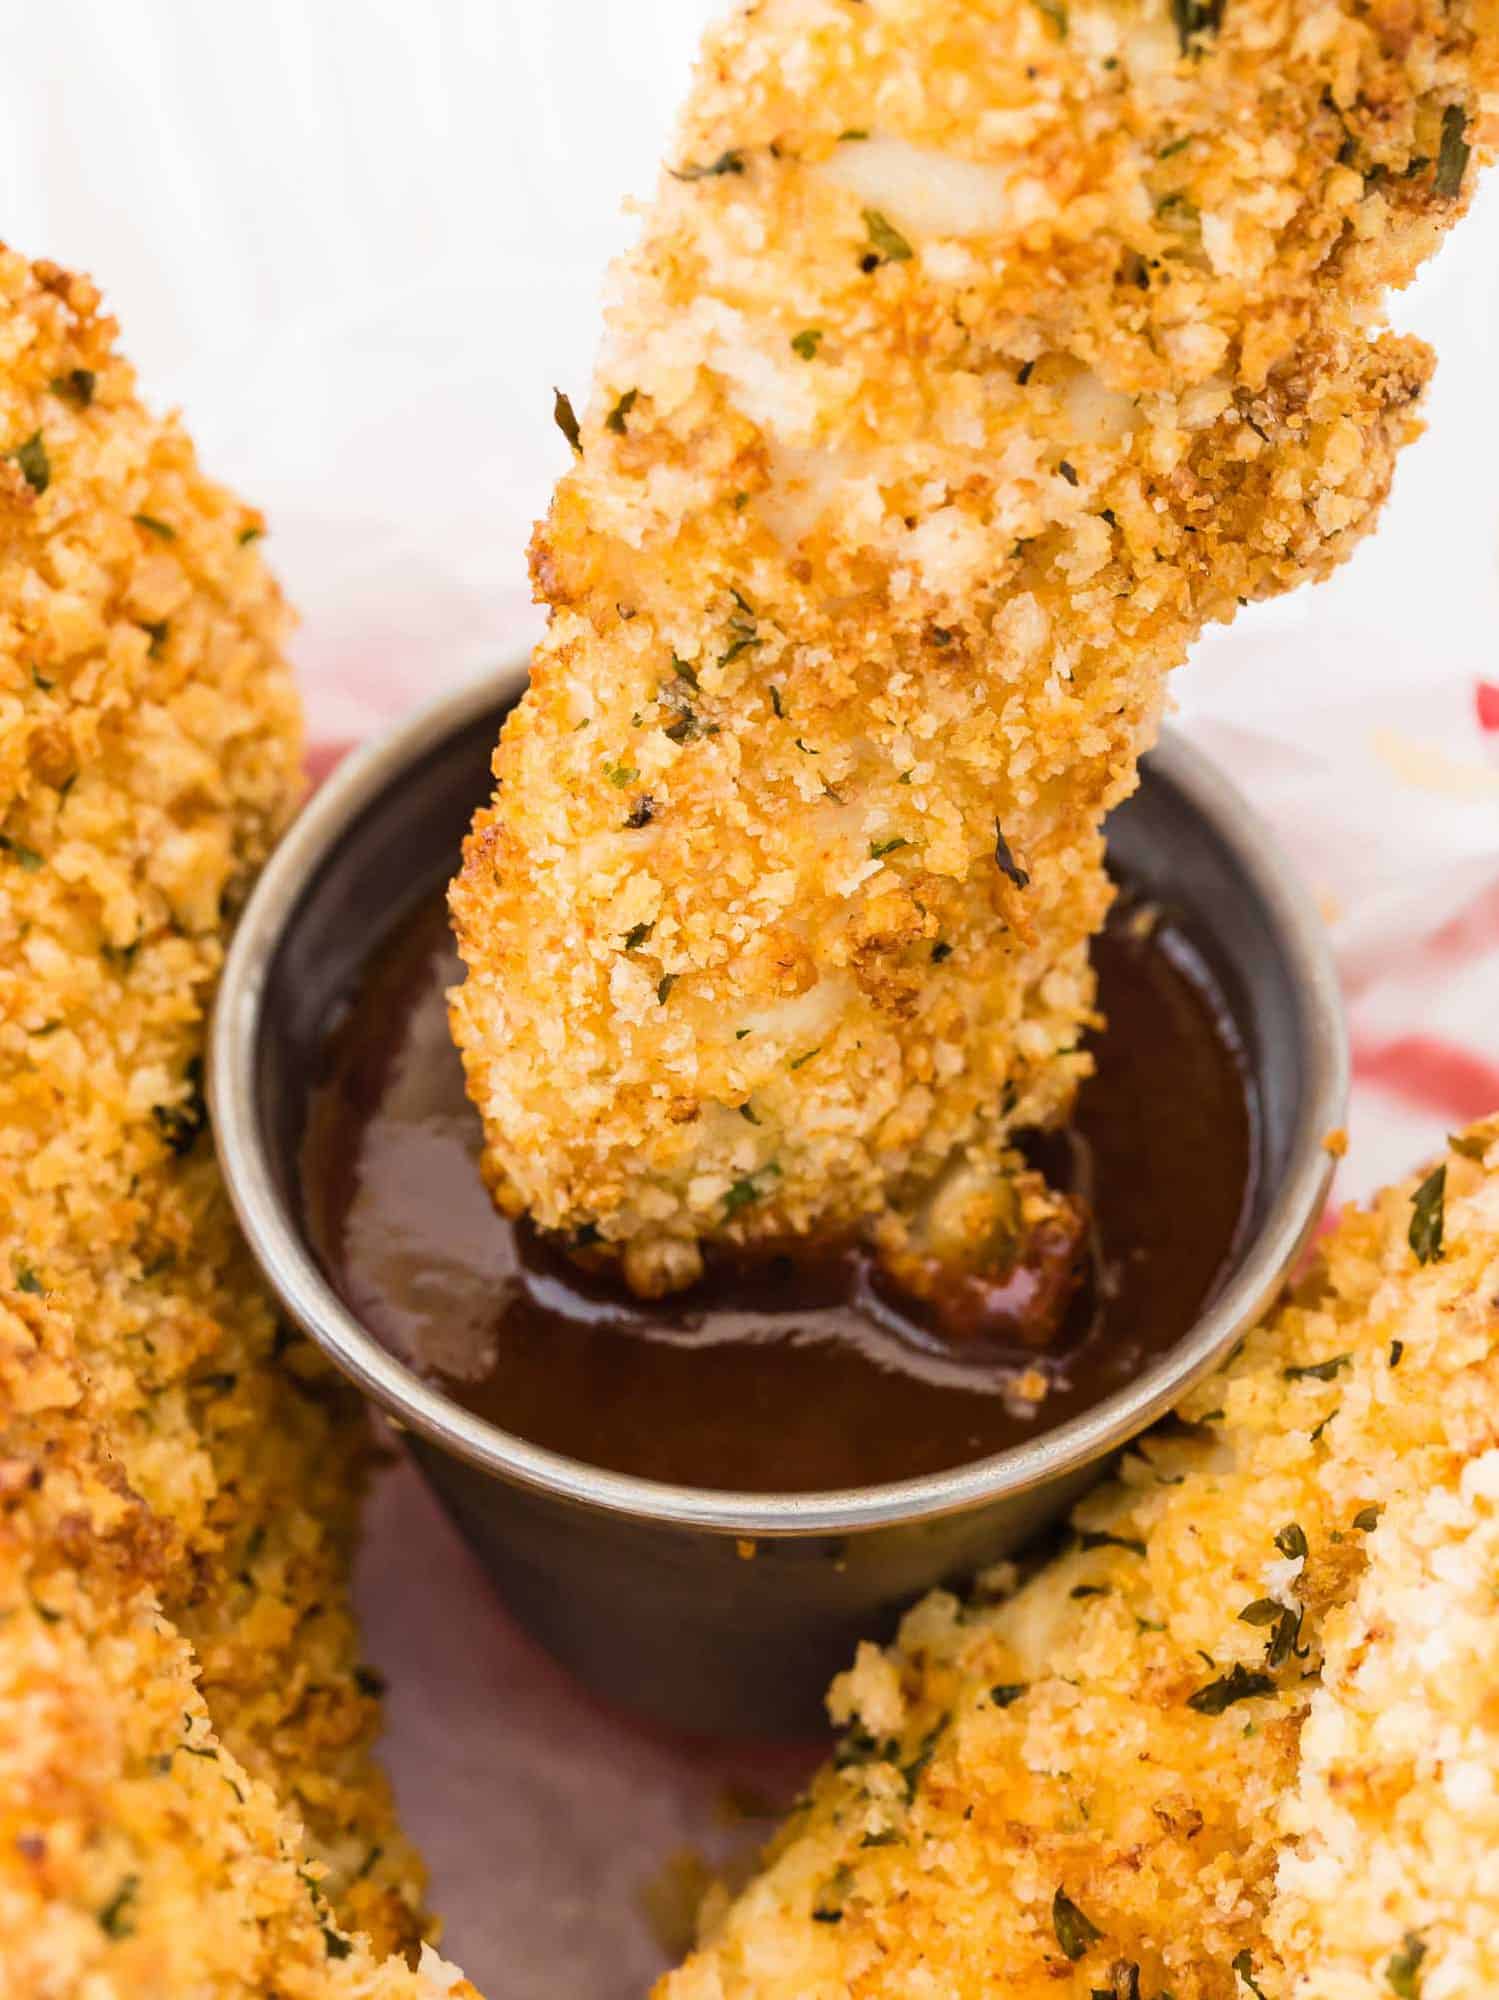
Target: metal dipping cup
(713, 1611)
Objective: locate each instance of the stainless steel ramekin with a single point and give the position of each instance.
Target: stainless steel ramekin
(727, 1611)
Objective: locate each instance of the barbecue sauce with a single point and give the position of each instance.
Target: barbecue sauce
(796, 1370)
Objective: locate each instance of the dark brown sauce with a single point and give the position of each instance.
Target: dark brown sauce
(788, 1374)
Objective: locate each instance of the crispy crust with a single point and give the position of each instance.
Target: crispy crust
(1307, 1823)
(179, 1681)
(880, 544)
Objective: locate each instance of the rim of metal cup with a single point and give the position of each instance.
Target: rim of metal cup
(310, 1300)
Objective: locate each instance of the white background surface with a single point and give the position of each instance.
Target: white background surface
(358, 242)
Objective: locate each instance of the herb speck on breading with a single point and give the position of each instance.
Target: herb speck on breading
(1008, 866)
(1075, 1931)
(807, 342)
(1428, 1216)
(1291, 1541)
(76, 387)
(745, 1190)
(1453, 153)
(1100, 1538)
(888, 246)
(615, 421)
(27, 857)
(1240, 1683)
(565, 418)
(730, 162)
(180, 1124)
(1244, 1966)
(1318, 1371)
(35, 466)
(1403, 1968)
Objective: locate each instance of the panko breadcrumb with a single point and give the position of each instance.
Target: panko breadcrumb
(975, 354)
(180, 1682)
(1242, 1736)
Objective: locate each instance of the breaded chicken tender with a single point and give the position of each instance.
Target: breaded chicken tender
(1242, 1736)
(180, 1682)
(975, 353)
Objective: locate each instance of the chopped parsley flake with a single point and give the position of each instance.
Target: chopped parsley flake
(887, 244)
(1428, 1216)
(913, 1772)
(1004, 1693)
(1240, 1683)
(663, 987)
(1366, 1519)
(1319, 1371)
(775, 701)
(1453, 154)
(1244, 1966)
(26, 857)
(854, 132)
(615, 421)
(1263, 1611)
(35, 466)
(180, 1124)
(878, 849)
(744, 1191)
(1467, 1145)
(1068, 472)
(1193, 18)
(797, 1062)
(1008, 866)
(115, 1919)
(163, 530)
(1056, 13)
(1291, 1541)
(28, 1281)
(565, 418)
(637, 935)
(76, 387)
(1403, 1969)
(621, 775)
(1075, 1931)
(684, 671)
(807, 342)
(1100, 1538)
(731, 162)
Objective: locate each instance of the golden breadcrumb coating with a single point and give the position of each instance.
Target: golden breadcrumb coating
(1242, 1735)
(974, 354)
(179, 1669)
